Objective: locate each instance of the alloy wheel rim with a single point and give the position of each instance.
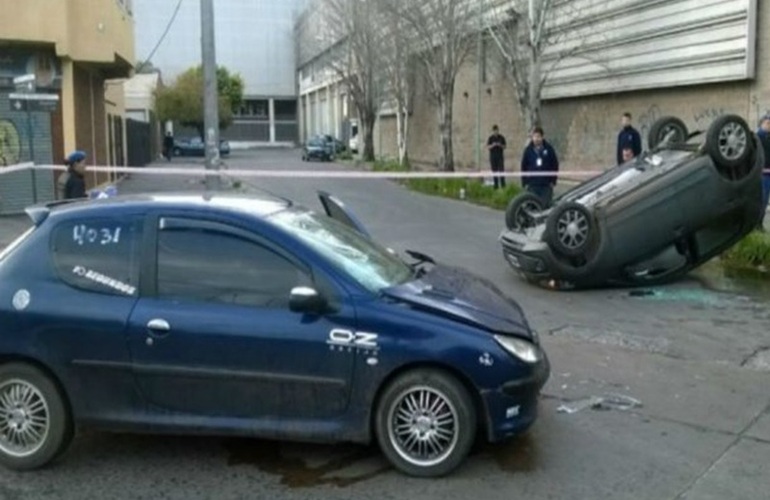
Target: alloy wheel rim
(24, 418)
(523, 214)
(572, 229)
(732, 141)
(423, 426)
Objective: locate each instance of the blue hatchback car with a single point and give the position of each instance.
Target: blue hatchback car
(252, 316)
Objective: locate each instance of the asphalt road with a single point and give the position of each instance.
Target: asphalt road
(695, 359)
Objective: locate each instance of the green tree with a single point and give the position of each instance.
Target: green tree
(183, 101)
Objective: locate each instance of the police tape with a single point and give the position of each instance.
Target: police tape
(16, 168)
(308, 174)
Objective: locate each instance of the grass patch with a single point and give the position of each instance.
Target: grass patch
(473, 189)
(346, 155)
(752, 252)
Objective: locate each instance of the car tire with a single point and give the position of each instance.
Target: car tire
(729, 143)
(177, 152)
(661, 128)
(515, 214)
(36, 410)
(401, 416)
(571, 230)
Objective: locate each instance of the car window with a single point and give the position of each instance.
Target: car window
(215, 266)
(368, 263)
(99, 255)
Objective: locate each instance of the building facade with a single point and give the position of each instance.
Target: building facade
(694, 59)
(324, 106)
(253, 38)
(73, 48)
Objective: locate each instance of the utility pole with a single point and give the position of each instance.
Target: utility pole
(210, 94)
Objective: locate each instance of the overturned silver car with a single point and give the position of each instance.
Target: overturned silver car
(651, 220)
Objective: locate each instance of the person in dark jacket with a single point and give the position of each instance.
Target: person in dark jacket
(496, 146)
(539, 157)
(628, 137)
(764, 138)
(75, 185)
(168, 146)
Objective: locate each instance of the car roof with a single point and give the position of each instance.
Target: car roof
(256, 205)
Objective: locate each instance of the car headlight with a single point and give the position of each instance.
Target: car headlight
(522, 349)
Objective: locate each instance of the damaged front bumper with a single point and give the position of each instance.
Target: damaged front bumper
(513, 407)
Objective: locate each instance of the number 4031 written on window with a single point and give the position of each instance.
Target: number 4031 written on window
(84, 235)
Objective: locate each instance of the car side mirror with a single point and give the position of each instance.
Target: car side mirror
(304, 299)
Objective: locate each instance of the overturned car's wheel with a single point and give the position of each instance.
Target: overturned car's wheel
(518, 213)
(425, 423)
(664, 126)
(571, 230)
(729, 143)
(35, 425)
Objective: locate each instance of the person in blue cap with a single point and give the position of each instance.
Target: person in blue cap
(72, 183)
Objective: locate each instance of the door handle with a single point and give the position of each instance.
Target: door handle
(158, 325)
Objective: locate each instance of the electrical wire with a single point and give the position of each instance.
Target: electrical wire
(162, 37)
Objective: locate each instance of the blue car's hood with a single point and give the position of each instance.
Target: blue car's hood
(458, 294)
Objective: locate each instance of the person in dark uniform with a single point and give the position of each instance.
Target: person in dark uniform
(496, 146)
(628, 137)
(75, 185)
(540, 157)
(764, 138)
(168, 145)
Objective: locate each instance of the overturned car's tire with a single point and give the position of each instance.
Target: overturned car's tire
(517, 214)
(664, 126)
(729, 143)
(571, 230)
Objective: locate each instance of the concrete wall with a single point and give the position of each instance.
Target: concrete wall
(583, 129)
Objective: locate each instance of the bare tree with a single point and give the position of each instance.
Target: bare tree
(534, 37)
(356, 60)
(398, 67)
(442, 32)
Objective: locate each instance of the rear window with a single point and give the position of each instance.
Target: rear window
(99, 255)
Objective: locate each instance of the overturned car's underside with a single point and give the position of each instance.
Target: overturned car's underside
(653, 219)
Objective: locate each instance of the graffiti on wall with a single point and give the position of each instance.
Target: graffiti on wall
(758, 109)
(704, 117)
(10, 144)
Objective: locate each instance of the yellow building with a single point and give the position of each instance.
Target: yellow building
(73, 47)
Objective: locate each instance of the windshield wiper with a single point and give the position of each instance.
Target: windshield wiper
(419, 266)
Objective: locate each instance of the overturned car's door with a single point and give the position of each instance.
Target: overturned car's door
(336, 209)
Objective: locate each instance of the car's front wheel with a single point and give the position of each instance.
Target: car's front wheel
(730, 144)
(425, 423)
(520, 210)
(35, 425)
(667, 127)
(571, 230)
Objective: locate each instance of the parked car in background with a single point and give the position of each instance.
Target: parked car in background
(648, 221)
(336, 145)
(194, 146)
(251, 315)
(317, 148)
